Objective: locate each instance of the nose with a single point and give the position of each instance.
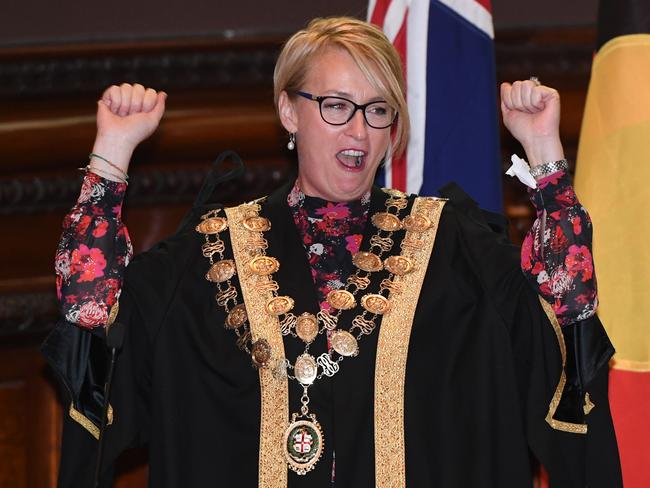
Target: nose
(357, 126)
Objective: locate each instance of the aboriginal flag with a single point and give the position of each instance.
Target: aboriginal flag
(448, 54)
(613, 182)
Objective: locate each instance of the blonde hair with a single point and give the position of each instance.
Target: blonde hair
(369, 47)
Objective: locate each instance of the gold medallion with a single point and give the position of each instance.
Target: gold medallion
(257, 224)
(305, 369)
(279, 305)
(212, 225)
(236, 317)
(367, 261)
(261, 353)
(264, 265)
(417, 222)
(341, 299)
(375, 303)
(303, 442)
(221, 271)
(386, 221)
(399, 265)
(307, 327)
(344, 343)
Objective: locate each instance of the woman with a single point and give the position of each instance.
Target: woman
(408, 348)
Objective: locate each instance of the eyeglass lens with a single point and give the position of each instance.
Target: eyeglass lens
(338, 111)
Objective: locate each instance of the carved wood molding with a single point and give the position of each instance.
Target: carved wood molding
(206, 63)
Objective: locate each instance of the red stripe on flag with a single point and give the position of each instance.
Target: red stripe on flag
(379, 14)
(487, 4)
(398, 165)
(629, 400)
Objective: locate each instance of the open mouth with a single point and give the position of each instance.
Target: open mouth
(352, 159)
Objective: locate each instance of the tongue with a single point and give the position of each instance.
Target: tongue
(350, 161)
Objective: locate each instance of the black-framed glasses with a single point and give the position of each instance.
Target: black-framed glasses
(339, 110)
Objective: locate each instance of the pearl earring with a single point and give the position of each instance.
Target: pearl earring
(291, 145)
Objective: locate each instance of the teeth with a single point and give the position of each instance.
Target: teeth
(352, 152)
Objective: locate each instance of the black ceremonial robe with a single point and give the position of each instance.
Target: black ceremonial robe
(483, 364)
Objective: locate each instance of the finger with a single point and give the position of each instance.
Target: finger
(149, 100)
(527, 88)
(137, 96)
(126, 91)
(536, 98)
(159, 109)
(506, 100)
(112, 98)
(517, 101)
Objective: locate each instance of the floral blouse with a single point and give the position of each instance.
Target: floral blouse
(95, 248)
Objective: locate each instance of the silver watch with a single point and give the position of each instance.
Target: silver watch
(548, 168)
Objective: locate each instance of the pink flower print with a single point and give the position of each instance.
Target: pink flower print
(353, 243)
(334, 211)
(101, 226)
(579, 261)
(88, 262)
(92, 314)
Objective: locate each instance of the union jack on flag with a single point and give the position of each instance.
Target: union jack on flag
(448, 55)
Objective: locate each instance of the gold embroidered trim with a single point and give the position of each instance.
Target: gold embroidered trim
(86, 423)
(274, 415)
(555, 401)
(392, 351)
(589, 405)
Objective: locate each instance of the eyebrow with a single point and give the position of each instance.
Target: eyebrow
(349, 95)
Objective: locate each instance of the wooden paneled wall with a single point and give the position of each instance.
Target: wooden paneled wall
(220, 97)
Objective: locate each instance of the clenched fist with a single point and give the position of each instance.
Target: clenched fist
(126, 116)
(531, 112)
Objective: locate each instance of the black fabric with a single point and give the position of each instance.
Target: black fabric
(622, 17)
(482, 367)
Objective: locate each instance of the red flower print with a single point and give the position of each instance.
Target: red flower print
(82, 226)
(579, 261)
(559, 241)
(334, 211)
(88, 262)
(353, 243)
(577, 225)
(100, 228)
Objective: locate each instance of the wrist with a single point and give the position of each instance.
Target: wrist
(115, 149)
(543, 150)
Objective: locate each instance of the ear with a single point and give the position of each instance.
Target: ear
(287, 112)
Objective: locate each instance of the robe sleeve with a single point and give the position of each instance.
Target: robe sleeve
(576, 446)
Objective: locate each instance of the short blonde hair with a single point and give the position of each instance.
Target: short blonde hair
(371, 51)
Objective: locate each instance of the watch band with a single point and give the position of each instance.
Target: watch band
(549, 168)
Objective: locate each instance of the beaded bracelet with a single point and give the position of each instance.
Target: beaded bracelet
(548, 168)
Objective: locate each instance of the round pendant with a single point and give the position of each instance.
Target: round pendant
(305, 369)
(417, 222)
(367, 261)
(212, 225)
(341, 299)
(236, 317)
(344, 343)
(257, 224)
(375, 303)
(399, 265)
(264, 265)
(279, 305)
(261, 353)
(307, 327)
(303, 441)
(221, 271)
(386, 221)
